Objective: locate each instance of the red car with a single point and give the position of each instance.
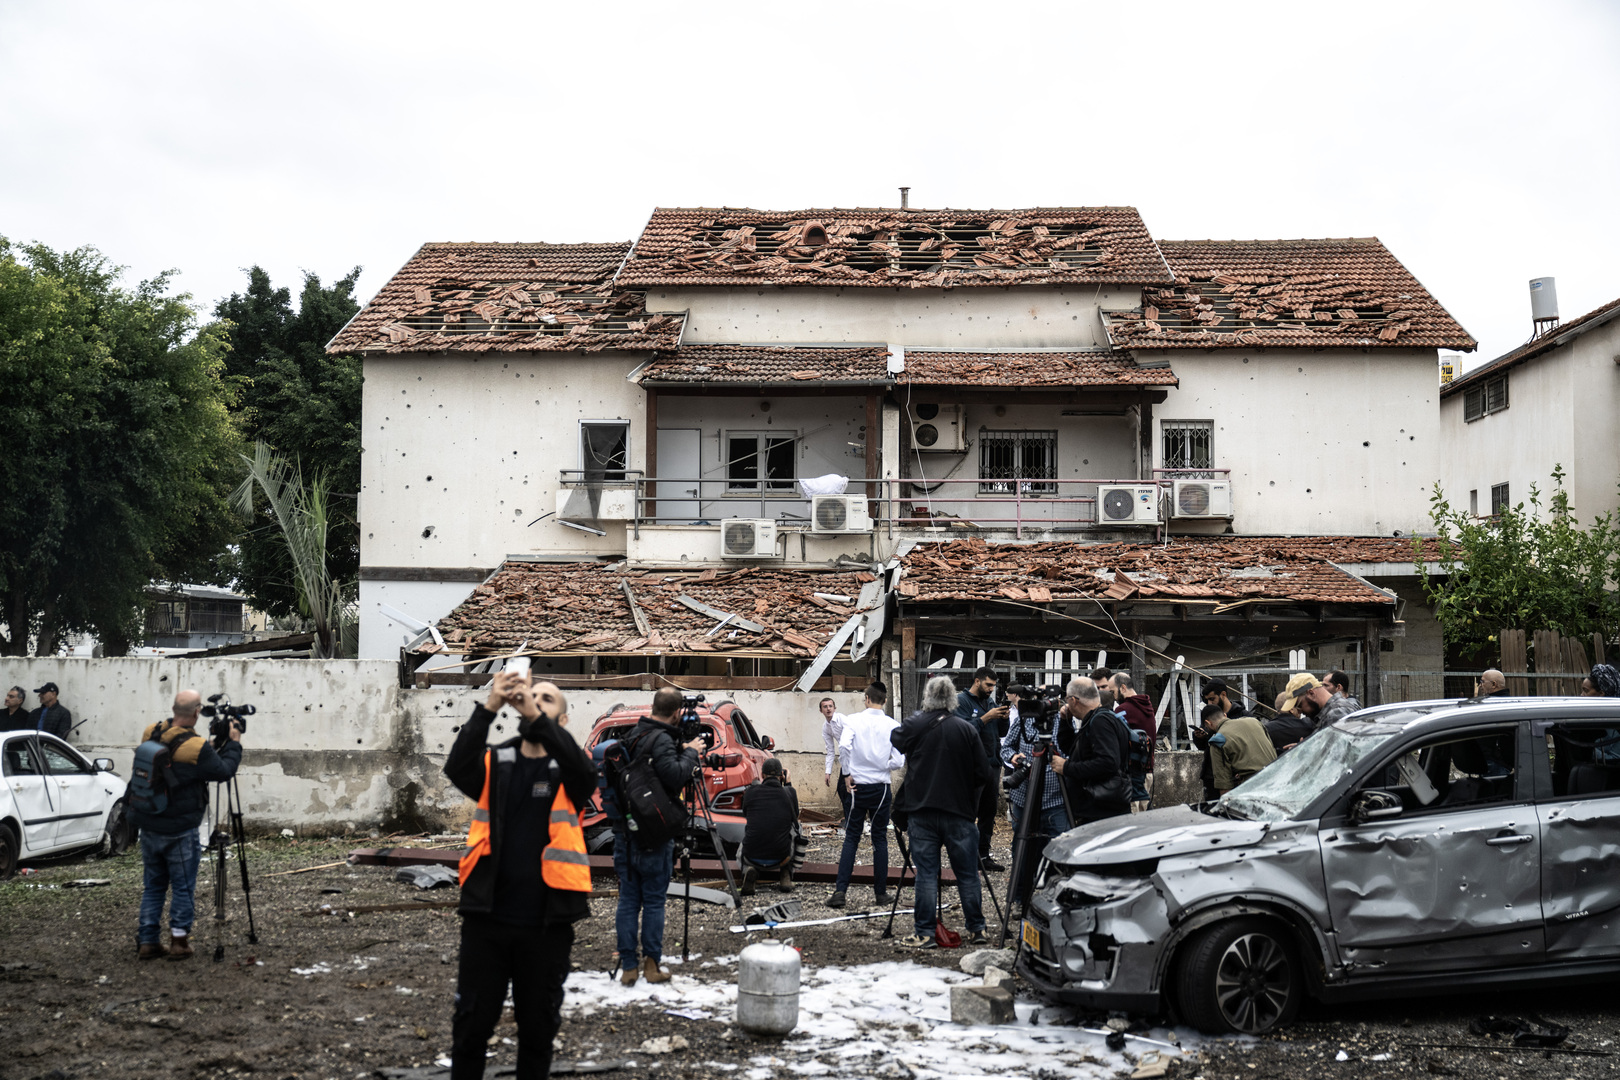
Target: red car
(741, 751)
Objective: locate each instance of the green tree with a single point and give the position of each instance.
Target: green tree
(306, 406)
(1522, 569)
(121, 448)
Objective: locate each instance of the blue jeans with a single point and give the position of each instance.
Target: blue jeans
(171, 863)
(959, 837)
(1052, 821)
(643, 892)
(873, 800)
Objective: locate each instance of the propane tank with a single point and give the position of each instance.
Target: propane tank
(768, 988)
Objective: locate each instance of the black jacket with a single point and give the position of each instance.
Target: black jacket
(1286, 729)
(57, 720)
(196, 764)
(945, 765)
(771, 809)
(672, 762)
(1102, 750)
(465, 768)
(21, 720)
(970, 708)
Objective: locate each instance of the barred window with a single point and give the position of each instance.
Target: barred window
(1021, 461)
(1187, 444)
(1499, 499)
(1485, 398)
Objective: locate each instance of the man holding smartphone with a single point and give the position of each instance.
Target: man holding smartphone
(525, 879)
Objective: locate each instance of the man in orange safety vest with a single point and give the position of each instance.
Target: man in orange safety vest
(525, 878)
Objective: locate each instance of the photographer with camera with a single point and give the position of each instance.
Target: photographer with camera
(169, 815)
(645, 872)
(525, 878)
(1032, 722)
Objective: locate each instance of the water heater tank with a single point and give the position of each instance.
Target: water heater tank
(1543, 299)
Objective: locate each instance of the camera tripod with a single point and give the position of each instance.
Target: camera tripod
(221, 838)
(699, 822)
(1034, 795)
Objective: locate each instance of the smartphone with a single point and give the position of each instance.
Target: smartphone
(519, 664)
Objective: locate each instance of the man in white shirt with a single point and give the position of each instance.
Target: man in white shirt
(832, 727)
(867, 756)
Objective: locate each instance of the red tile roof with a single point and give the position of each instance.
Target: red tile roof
(1225, 572)
(581, 608)
(1532, 349)
(750, 364)
(1286, 294)
(889, 248)
(1012, 368)
(507, 298)
(1339, 549)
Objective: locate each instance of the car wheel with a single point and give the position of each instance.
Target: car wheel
(1241, 976)
(115, 837)
(9, 853)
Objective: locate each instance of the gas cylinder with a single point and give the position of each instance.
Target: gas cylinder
(768, 988)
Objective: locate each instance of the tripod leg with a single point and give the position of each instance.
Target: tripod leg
(240, 835)
(1034, 795)
(905, 865)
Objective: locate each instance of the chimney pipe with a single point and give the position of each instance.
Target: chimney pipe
(905, 198)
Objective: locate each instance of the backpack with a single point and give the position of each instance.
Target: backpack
(151, 778)
(651, 816)
(611, 758)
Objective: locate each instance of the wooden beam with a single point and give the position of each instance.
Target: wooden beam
(642, 626)
(651, 464)
(908, 643)
(290, 641)
(632, 681)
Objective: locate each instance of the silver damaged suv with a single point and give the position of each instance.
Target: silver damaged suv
(1403, 850)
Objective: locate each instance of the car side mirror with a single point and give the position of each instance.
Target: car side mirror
(104, 764)
(767, 742)
(1373, 806)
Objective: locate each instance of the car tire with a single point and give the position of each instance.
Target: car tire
(116, 836)
(10, 852)
(1241, 976)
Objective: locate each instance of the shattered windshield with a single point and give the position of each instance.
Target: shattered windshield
(1291, 783)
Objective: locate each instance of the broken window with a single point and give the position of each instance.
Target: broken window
(1499, 499)
(1187, 444)
(1485, 398)
(1453, 770)
(1022, 461)
(757, 461)
(604, 449)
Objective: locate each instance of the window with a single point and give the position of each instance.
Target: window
(757, 461)
(1485, 398)
(1186, 444)
(1473, 502)
(1585, 761)
(1499, 499)
(1024, 458)
(604, 449)
(60, 762)
(1452, 770)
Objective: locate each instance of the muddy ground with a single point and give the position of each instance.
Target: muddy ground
(339, 996)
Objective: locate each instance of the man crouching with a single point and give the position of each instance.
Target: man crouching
(525, 879)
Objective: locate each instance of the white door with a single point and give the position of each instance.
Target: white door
(81, 794)
(678, 460)
(36, 803)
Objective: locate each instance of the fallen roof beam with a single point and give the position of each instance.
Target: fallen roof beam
(715, 613)
(643, 627)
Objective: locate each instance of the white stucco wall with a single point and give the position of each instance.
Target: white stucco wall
(1025, 317)
(1563, 409)
(1334, 442)
(382, 635)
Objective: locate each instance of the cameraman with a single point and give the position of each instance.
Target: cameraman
(1033, 721)
(525, 877)
(170, 846)
(644, 873)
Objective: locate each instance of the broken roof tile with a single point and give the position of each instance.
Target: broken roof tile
(1032, 367)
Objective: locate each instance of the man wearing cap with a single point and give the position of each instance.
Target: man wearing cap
(50, 717)
(771, 810)
(1321, 705)
(1290, 726)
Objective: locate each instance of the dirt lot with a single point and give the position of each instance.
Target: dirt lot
(336, 995)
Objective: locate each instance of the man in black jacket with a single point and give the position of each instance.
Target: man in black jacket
(991, 724)
(14, 717)
(50, 717)
(170, 846)
(1096, 773)
(946, 768)
(644, 873)
(525, 879)
(771, 809)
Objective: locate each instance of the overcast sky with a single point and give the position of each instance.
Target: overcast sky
(1479, 141)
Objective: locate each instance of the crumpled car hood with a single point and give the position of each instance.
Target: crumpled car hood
(1157, 834)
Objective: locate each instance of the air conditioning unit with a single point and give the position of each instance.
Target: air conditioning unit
(839, 514)
(747, 538)
(1201, 499)
(1127, 504)
(936, 427)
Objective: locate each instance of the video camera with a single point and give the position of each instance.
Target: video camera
(1039, 710)
(221, 714)
(693, 727)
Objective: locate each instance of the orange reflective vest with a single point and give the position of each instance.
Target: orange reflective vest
(563, 863)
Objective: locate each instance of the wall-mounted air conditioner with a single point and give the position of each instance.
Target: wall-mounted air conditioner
(936, 427)
(747, 538)
(839, 514)
(1127, 504)
(1201, 499)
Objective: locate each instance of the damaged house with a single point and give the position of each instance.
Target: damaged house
(771, 450)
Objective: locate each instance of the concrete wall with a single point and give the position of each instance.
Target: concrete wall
(338, 744)
(1563, 409)
(1025, 317)
(1334, 442)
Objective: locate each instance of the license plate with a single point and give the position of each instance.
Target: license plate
(1032, 937)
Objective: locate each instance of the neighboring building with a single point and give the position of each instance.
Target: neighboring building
(194, 617)
(1552, 402)
(1048, 375)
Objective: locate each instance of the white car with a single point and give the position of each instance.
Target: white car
(55, 802)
